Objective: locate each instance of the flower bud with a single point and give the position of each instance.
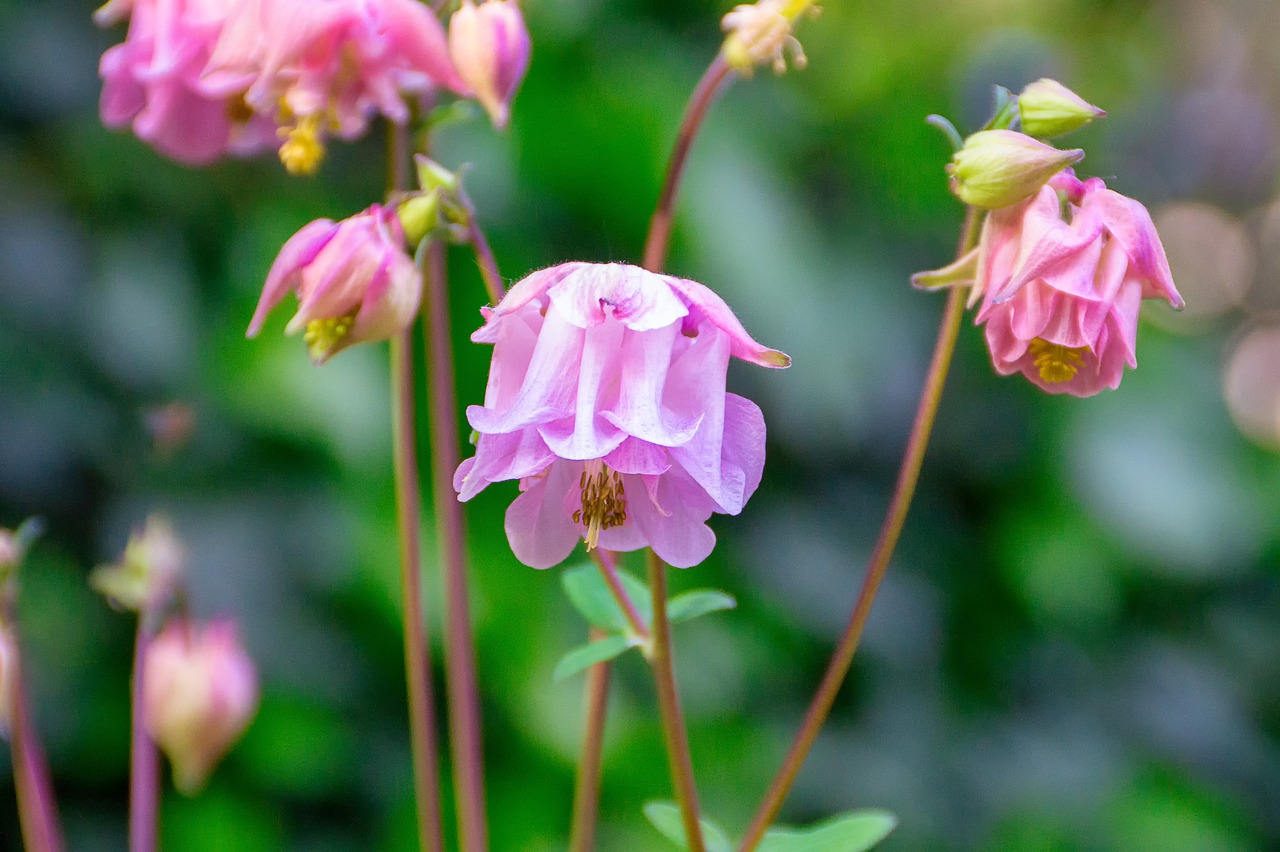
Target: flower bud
(200, 691)
(998, 168)
(8, 679)
(148, 571)
(1050, 109)
(489, 46)
(419, 216)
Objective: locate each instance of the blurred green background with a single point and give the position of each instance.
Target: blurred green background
(1078, 644)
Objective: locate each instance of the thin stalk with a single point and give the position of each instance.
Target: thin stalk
(673, 729)
(484, 254)
(586, 791)
(417, 662)
(460, 660)
(607, 562)
(144, 759)
(37, 809)
(890, 530)
(704, 94)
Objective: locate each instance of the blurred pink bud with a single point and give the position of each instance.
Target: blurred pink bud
(354, 280)
(10, 551)
(490, 48)
(200, 691)
(1063, 276)
(998, 168)
(8, 679)
(152, 81)
(148, 571)
(607, 400)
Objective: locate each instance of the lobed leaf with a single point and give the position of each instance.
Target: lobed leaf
(665, 816)
(854, 831)
(690, 605)
(585, 656)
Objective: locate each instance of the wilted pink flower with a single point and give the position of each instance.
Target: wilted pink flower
(328, 65)
(490, 48)
(8, 679)
(354, 280)
(606, 399)
(200, 691)
(1062, 278)
(153, 81)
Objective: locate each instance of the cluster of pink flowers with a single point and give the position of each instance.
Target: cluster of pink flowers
(606, 400)
(199, 79)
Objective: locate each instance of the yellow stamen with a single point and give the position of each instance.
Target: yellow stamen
(302, 151)
(326, 336)
(1056, 363)
(604, 504)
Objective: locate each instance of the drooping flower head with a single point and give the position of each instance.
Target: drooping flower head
(326, 66)
(490, 48)
(354, 280)
(152, 81)
(200, 691)
(1062, 277)
(606, 400)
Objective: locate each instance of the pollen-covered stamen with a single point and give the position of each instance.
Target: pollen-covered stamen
(302, 150)
(1055, 362)
(326, 336)
(604, 503)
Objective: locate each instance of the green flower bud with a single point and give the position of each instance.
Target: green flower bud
(999, 168)
(1051, 109)
(419, 216)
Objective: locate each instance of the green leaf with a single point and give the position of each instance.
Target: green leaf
(665, 817)
(591, 597)
(849, 832)
(688, 605)
(591, 653)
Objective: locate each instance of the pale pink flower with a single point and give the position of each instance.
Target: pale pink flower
(200, 691)
(152, 81)
(354, 280)
(490, 48)
(606, 399)
(1062, 276)
(329, 65)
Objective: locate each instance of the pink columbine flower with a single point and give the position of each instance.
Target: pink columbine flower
(354, 280)
(152, 81)
(490, 48)
(606, 399)
(200, 691)
(325, 66)
(1062, 276)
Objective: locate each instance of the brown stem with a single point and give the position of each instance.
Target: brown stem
(899, 503)
(655, 246)
(607, 562)
(673, 729)
(586, 792)
(484, 254)
(144, 759)
(460, 668)
(37, 808)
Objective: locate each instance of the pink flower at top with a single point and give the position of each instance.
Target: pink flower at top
(199, 693)
(152, 81)
(490, 48)
(328, 65)
(1062, 276)
(354, 280)
(606, 400)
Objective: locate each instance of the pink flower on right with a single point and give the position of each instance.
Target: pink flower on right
(1062, 276)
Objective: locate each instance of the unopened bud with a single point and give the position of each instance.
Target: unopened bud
(1051, 109)
(489, 46)
(8, 679)
(200, 691)
(999, 168)
(148, 571)
(419, 216)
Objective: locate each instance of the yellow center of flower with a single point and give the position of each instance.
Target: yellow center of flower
(302, 151)
(604, 505)
(1056, 363)
(326, 336)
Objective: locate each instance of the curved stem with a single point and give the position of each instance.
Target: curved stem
(607, 562)
(144, 760)
(586, 791)
(417, 662)
(673, 728)
(484, 254)
(37, 808)
(655, 246)
(904, 489)
(460, 661)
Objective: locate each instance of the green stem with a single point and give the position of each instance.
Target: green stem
(460, 659)
(422, 720)
(586, 792)
(673, 729)
(890, 530)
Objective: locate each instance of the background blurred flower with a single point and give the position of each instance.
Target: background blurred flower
(490, 48)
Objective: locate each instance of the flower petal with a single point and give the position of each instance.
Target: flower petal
(540, 532)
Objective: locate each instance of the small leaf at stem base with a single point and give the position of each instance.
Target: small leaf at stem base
(854, 831)
(590, 596)
(690, 605)
(585, 656)
(665, 816)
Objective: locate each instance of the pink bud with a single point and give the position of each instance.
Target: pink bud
(8, 679)
(200, 691)
(490, 49)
